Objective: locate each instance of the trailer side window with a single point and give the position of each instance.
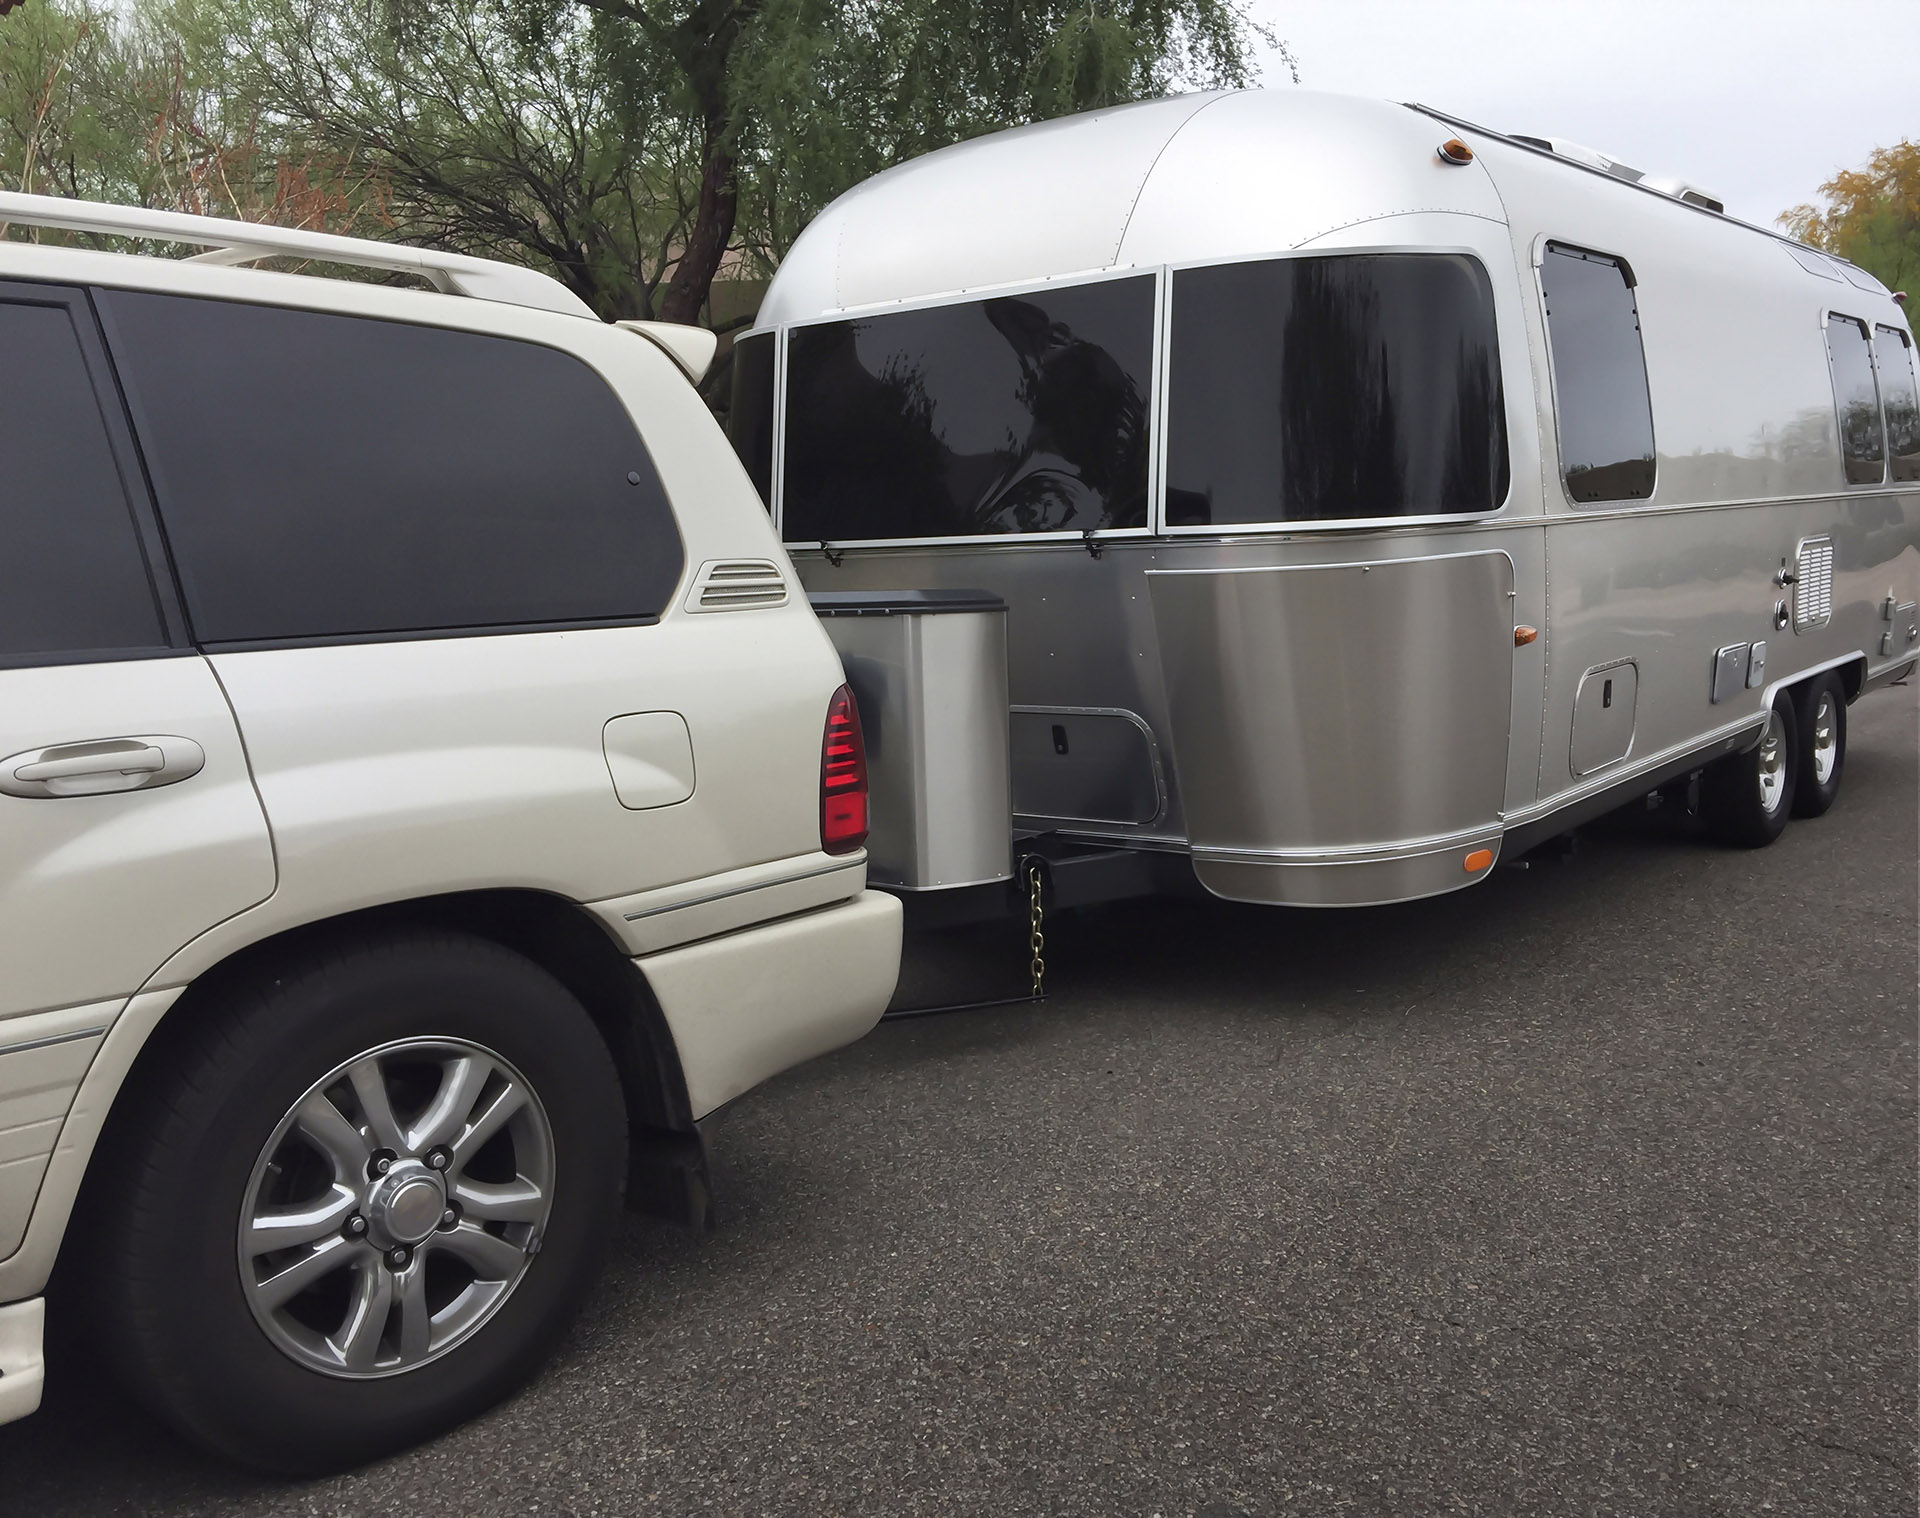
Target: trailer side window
(1013, 414)
(1334, 388)
(1599, 376)
(750, 410)
(1902, 400)
(1856, 401)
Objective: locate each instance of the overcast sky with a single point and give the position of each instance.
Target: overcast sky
(1756, 102)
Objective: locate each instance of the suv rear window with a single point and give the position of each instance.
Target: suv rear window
(73, 579)
(325, 476)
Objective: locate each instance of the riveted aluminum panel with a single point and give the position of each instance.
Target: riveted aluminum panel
(1347, 713)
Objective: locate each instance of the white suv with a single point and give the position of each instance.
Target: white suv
(424, 795)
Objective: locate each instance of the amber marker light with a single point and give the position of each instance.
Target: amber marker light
(1478, 860)
(1523, 635)
(1456, 152)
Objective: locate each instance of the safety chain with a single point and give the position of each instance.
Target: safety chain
(1037, 939)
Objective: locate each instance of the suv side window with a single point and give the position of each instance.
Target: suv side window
(74, 582)
(1863, 446)
(1599, 375)
(328, 477)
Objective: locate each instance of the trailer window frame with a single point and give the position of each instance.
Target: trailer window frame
(996, 542)
(1545, 246)
(1291, 526)
(1896, 461)
(1828, 316)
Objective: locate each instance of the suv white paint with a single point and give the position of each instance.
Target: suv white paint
(414, 819)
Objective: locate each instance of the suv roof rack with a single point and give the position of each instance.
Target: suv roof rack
(244, 242)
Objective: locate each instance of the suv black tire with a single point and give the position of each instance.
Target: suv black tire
(1812, 796)
(1734, 792)
(173, 1313)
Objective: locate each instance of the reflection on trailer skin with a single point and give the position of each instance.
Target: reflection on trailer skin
(1411, 391)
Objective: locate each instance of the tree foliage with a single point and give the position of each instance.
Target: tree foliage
(636, 149)
(1871, 216)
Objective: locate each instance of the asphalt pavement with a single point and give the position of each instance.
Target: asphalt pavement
(1588, 1190)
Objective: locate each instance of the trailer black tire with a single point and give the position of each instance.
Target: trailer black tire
(1820, 713)
(1747, 798)
(168, 1285)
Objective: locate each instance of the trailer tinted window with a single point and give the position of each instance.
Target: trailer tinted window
(1308, 389)
(1856, 401)
(73, 579)
(1014, 414)
(1902, 401)
(750, 411)
(330, 476)
(1599, 376)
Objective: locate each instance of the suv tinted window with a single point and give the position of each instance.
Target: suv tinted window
(1361, 385)
(750, 411)
(1862, 446)
(1599, 376)
(1902, 400)
(1019, 413)
(333, 476)
(73, 579)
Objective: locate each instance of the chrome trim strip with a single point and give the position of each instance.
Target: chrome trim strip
(57, 1038)
(763, 885)
(1608, 778)
(1366, 853)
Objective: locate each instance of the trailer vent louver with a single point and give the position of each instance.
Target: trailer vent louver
(1813, 587)
(737, 585)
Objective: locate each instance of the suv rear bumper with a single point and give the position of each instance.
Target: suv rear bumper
(748, 1005)
(22, 1370)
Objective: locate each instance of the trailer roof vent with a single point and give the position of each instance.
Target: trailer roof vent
(1679, 189)
(1606, 163)
(737, 585)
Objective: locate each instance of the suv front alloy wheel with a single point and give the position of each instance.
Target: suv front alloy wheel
(356, 1199)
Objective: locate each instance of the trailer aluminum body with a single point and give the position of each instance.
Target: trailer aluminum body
(1365, 509)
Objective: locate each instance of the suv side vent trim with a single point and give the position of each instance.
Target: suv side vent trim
(737, 585)
(1813, 587)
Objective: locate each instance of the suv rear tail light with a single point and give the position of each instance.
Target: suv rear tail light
(843, 777)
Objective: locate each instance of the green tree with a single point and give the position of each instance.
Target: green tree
(1871, 216)
(135, 103)
(792, 101)
(636, 149)
(639, 147)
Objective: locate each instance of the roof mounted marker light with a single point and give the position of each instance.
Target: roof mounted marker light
(843, 777)
(1455, 152)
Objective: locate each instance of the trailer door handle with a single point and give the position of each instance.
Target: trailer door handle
(101, 766)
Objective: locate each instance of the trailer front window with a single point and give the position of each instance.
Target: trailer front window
(750, 410)
(1340, 388)
(1016, 413)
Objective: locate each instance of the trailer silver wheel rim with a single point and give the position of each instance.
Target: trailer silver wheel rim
(1773, 764)
(1826, 747)
(395, 1207)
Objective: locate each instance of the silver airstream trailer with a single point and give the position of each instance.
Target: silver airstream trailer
(1371, 495)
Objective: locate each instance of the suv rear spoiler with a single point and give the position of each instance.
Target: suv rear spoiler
(692, 348)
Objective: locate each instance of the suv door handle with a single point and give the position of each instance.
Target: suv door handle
(100, 766)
